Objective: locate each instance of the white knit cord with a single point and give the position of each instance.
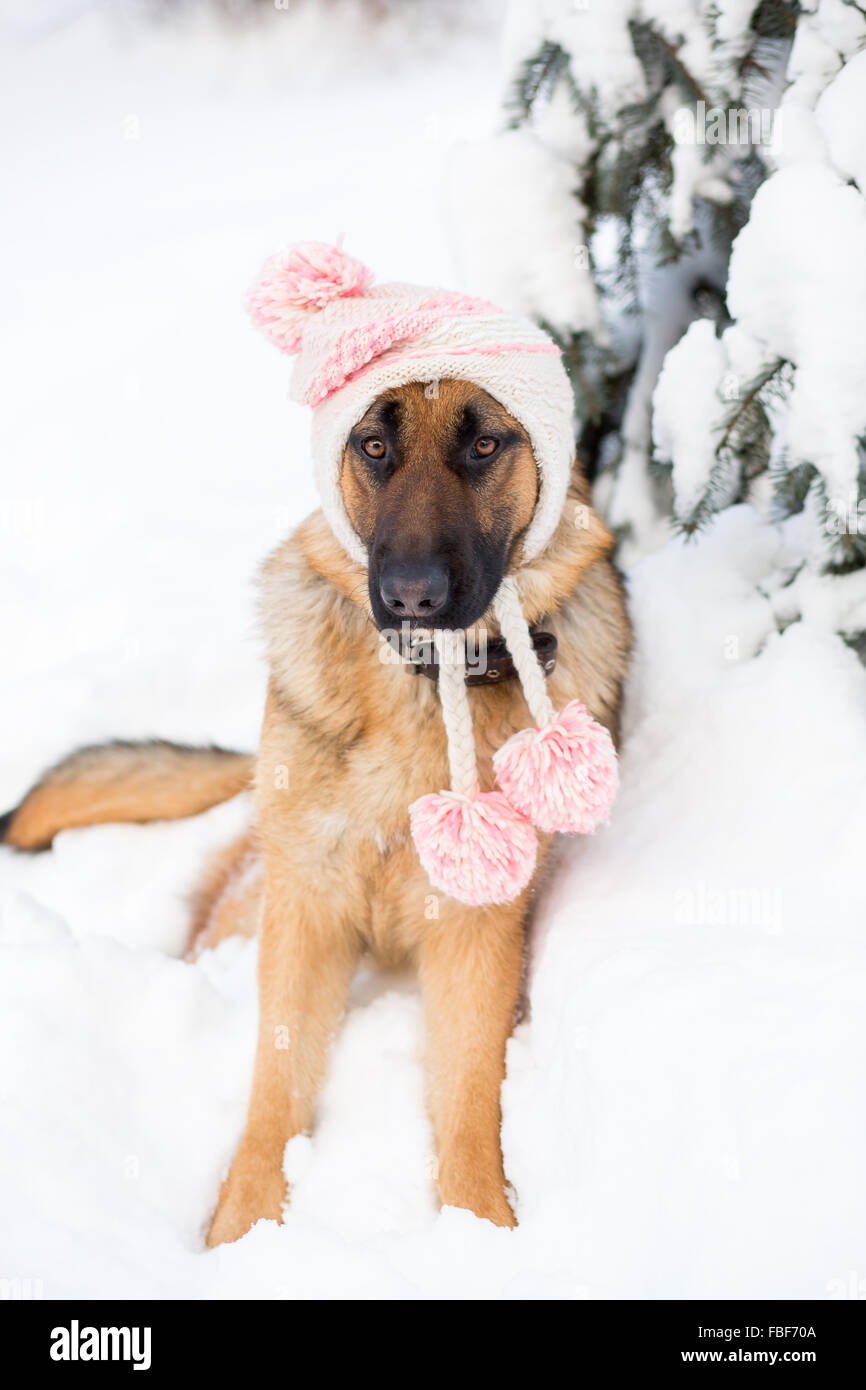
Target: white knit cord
(515, 630)
(456, 714)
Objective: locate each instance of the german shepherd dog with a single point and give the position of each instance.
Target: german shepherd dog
(328, 869)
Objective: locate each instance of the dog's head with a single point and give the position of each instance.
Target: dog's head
(440, 484)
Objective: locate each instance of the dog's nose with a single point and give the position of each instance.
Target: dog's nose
(414, 590)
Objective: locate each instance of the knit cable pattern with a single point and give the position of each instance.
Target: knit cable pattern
(515, 630)
(456, 714)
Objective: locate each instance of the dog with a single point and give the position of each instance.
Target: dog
(350, 737)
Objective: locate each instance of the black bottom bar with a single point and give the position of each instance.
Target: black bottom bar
(65, 1337)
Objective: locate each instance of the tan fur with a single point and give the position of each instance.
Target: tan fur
(126, 782)
(350, 738)
(228, 900)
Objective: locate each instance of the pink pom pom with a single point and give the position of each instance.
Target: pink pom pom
(296, 283)
(563, 777)
(476, 849)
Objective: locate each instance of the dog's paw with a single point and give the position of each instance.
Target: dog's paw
(249, 1194)
(483, 1195)
(496, 1208)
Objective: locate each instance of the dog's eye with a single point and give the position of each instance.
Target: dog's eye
(485, 446)
(374, 448)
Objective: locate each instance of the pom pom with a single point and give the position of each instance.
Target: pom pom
(562, 777)
(476, 849)
(296, 283)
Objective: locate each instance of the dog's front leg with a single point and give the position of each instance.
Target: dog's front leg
(470, 967)
(306, 964)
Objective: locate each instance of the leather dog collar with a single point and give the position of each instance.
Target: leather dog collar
(492, 664)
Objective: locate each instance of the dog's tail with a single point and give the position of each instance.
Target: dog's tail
(124, 782)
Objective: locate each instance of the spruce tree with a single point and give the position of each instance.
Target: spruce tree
(651, 141)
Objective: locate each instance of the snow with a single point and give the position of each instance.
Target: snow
(667, 307)
(513, 203)
(841, 114)
(701, 389)
(687, 410)
(828, 32)
(694, 175)
(798, 285)
(680, 1110)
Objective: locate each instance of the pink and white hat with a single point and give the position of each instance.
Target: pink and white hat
(354, 340)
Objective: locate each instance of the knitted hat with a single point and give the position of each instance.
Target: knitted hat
(353, 340)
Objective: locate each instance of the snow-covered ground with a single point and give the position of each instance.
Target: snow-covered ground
(683, 1108)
